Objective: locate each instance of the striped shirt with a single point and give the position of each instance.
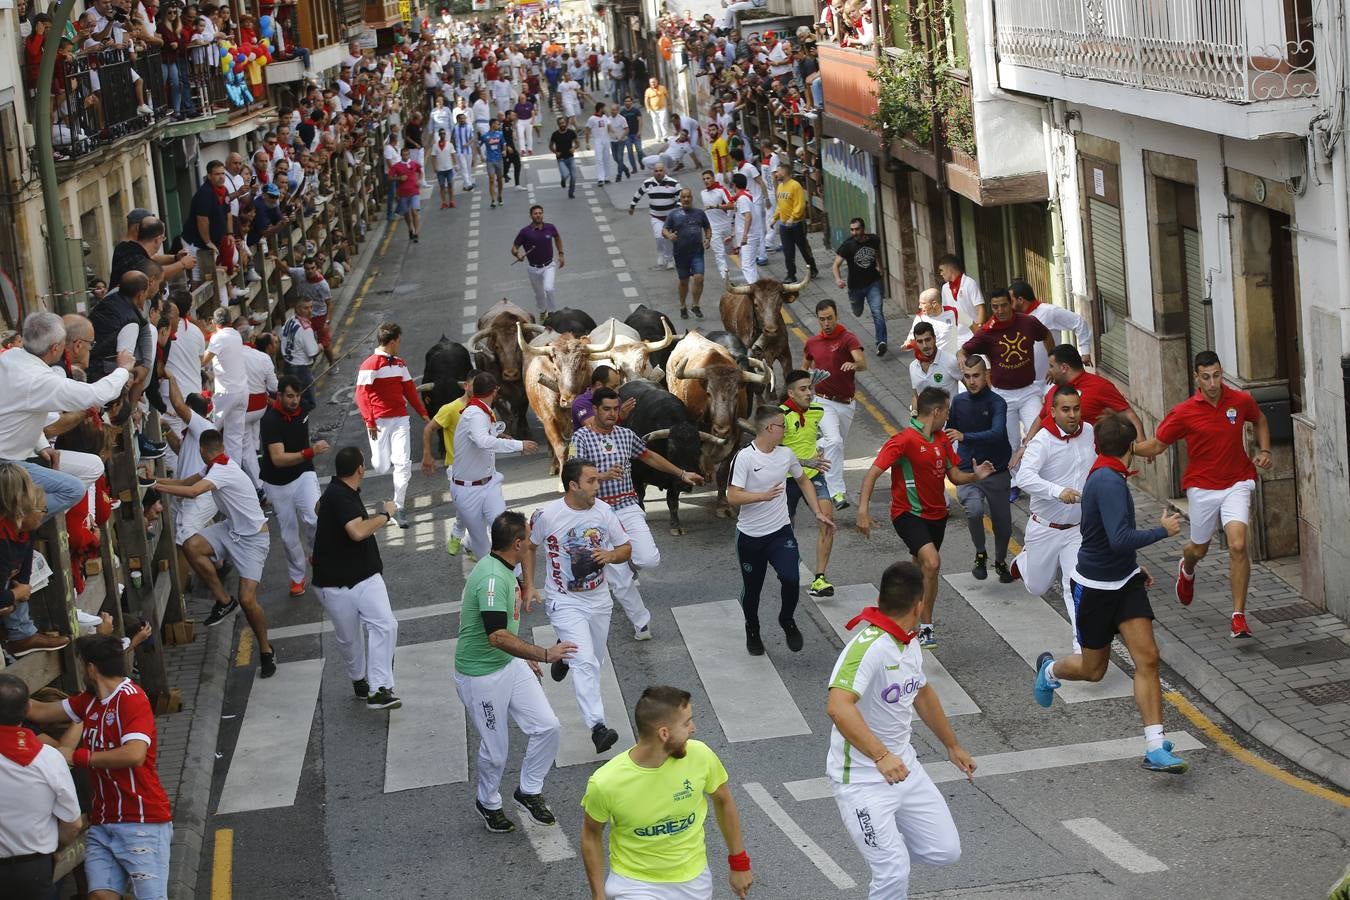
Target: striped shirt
(662, 196)
(121, 795)
(617, 447)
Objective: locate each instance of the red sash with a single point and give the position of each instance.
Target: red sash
(873, 615)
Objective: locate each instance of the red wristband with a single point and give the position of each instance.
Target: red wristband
(80, 758)
(307, 453)
(740, 862)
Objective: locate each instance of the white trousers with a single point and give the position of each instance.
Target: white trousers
(1045, 550)
(892, 823)
(754, 246)
(757, 226)
(524, 144)
(838, 418)
(588, 628)
(294, 505)
(87, 467)
(660, 119)
(230, 413)
(1024, 408)
(603, 160)
(665, 250)
(457, 529)
(719, 249)
(466, 168)
(621, 887)
(541, 280)
(252, 443)
(365, 603)
(620, 577)
(389, 449)
(515, 691)
(475, 507)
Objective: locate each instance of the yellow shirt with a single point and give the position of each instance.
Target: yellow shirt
(721, 154)
(448, 417)
(656, 815)
(791, 201)
(655, 98)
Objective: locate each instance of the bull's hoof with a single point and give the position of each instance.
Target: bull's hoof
(724, 512)
(677, 530)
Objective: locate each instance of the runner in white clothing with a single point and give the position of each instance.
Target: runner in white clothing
(962, 293)
(1057, 319)
(931, 367)
(719, 206)
(262, 384)
(597, 138)
(887, 801)
(475, 483)
(754, 184)
(747, 238)
(225, 357)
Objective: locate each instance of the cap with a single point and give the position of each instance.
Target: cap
(136, 215)
(769, 35)
(271, 190)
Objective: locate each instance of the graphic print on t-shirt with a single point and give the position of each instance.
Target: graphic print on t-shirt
(580, 572)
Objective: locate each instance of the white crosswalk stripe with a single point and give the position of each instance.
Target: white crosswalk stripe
(576, 748)
(427, 742)
(1114, 847)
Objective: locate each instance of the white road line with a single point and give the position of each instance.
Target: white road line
(471, 310)
(624, 276)
(471, 267)
(612, 250)
(473, 242)
(746, 692)
(607, 238)
(470, 293)
(406, 614)
(618, 263)
(810, 849)
(576, 748)
(1114, 847)
(270, 753)
(1029, 625)
(1015, 761)
(472, 254)
(632, 307)
(848, 601)
(549, 841)
(631, 292)
(427, 741)
(602, 227)
(471, 279)
(469, 328)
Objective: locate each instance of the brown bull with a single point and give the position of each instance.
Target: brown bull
(754, 313)
(706, 379)
(558, 368)
(629, 353)
(495, 350)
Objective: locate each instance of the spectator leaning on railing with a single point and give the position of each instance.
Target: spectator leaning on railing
(22, 507)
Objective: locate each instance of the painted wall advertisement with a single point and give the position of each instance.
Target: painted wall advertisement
(850, 189)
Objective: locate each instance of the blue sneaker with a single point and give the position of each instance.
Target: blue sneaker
(1045, 688)
(1014, 494)
(1164, 760)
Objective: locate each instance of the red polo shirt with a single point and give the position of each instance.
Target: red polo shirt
(918, 472)
(1215, 448)
(828, 353)
(1096, 393)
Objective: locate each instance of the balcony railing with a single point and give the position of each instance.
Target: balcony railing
(97, 101)
(1239, 51)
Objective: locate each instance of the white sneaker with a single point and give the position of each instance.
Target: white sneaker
(145, 110)
(521, 187)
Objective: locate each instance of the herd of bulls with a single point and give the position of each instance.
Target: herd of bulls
(692, 392)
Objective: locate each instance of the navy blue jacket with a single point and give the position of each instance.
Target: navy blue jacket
(16, 562)
(1109, 536)
(982, 418)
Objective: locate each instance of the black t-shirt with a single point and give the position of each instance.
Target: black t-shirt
(562, 143)
(412, 134)
(125, 257)
(293, 436)
(306, 131)
(861, 256)
(264, 218)
(206, 203)
(340, 561)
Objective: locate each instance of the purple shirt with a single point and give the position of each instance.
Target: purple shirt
(524, 111)
(537, 243)
(583, 407)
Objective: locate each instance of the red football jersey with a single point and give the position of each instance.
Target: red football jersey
(121, 795)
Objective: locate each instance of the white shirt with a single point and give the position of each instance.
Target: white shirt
(966, 302)
(477, 442)
(567, 92)
(35, 797)
(752, 182)
(617, 127)
(442, 119)
(886, 677)
(444, 156)
(190, 447)
(719, 219)
(184, 360)
(944, 329)
(32, 389)
(744, 204)
(572, 577)
(261, 371)
(1049, 465)
(228, 366)
(302, 347)
(502, 94)
(236, 498)
(943, 373)
(232, 184)
(779, 63)
(481, 112)
(755, 471)
(1058, 319)
(391, 156)
(599, 128)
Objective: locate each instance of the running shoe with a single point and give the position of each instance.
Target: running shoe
(401, 518)
(684, 313)
(1004, 576)
(361, 688)
(793, 636)
(980, 570)
(698, 312)
(1014, 494)
(1164, 760)
(643, 634)
(297, 588)
(473, 557)
(494, 819)
(840, 501)
(753, 644)
(1240, 629)
(1185, 584)
(150, 449)
(603, 737)
(220, 613)
(453, 545)
(927, 638)
(881, 349)
(267, 664)
(1045, 687)
(558, 669)
(534, 805)
(821, 588)
(762, 262)
(383, 699)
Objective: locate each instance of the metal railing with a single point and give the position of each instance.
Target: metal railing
(99, 99)
(1238, 51)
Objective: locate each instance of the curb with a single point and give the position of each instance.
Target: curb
(352, 284)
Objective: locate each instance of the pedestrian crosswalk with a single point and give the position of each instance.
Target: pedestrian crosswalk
(576, 748)
(427, 742)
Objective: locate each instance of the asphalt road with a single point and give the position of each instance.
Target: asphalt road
(309, 780)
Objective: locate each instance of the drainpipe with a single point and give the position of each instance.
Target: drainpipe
(1064, 282)
(64, 282)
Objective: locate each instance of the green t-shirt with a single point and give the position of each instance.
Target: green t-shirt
(656, 816)
(800, 432)
(491, 588)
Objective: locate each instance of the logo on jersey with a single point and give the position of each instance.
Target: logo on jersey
(937, 378)
(895, 691)
(109, 717)
(668, 827)
(685, 793)
(1013, 347)
(1231, 413)
(489, 716)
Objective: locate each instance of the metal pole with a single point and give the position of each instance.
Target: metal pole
(64, 283)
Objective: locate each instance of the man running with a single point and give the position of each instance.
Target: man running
(1219, 479)
(689, 233)
(719, 206)
(1056, 318)
(597, 139)
(444, 155)
(962, 293)
(977, 426)
(807, 433)
(745, 241)
(493, 145)
(887, 800)
(866, 274)
(918, 458)
(288, 476)
(1096, 394)
(581, 538)
(384, 388)
(446, 420)
(347, 573)
(931, 366)
(1053, 471)
(497, 674)
(563, 143)
(240, 538)
(837, 354)
(613, 448)
(764, 536)
(225, 358)
(407, 173)
(664, 779)
(465, 140)
(1008, 342)
(475, 483)
(535, 245)
(662, 193)
(1110, 591)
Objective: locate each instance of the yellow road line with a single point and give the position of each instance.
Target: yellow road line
(222, 865)
(388, 236)
(1243, 755)
(244, 655)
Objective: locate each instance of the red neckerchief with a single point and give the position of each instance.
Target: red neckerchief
(9, 531)
(1053, 427)
(18, 744)
(221, 193)
(918, 354)
(801, 413)
(955, 285)
(1031, 304)
(222, 459)
(474, 401)
(873, 615)
(287, 417)
(315, 278)
(1114, 464)
(741, 193)
(993, 324)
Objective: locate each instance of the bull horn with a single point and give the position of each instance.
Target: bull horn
(754, 378)
(526, 348)
(683, 372)
(546, 381)
(533, 329)
(742, 288)
(746, 425)
(593, 351)
(479, 335)
(797, 286)
(654, 346)
(705, 436)
(657, 375)
(659, 435)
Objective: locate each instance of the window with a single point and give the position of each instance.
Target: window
(1106, 263)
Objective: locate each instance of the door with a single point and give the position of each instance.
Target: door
(1030, 229)
(1106, 264)
(1284, 291)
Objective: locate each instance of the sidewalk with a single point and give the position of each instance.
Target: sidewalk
(1288, 686)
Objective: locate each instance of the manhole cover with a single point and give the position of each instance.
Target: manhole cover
(1326, 694)
(1299, 610)
(1325, 650)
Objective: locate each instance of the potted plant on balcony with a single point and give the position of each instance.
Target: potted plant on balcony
(904, 98)
(955, 111)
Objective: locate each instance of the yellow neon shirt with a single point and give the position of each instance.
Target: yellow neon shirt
(448, 417)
